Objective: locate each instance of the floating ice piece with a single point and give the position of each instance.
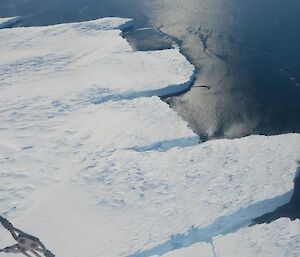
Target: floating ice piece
(107, 23)
(9, 22)
(88, 61)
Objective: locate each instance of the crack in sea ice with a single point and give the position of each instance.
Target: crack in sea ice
(221, 226)
(165, 145)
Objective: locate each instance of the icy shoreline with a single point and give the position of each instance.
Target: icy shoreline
(126, 175)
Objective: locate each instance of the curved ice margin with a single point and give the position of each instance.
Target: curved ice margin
(7, 22)
(165, 91)
(126, 25)
(161, 92)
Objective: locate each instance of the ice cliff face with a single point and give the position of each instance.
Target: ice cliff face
(95, 164)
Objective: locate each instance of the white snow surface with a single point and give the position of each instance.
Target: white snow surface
(196, 250)
(280, 238)
(7, 22)
(95, 164)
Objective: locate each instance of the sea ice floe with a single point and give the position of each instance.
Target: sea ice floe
(95, 166)
(279, 239)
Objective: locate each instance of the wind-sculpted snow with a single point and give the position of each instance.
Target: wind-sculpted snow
(94, 166)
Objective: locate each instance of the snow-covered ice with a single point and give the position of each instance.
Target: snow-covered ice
(196, 250)
(280, 238)
(82, 60)
(95, 164)
(8, 22)
(192, 194)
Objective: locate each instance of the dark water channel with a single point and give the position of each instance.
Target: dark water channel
(247, 54)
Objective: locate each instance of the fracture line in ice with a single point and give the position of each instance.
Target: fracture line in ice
(221, 226)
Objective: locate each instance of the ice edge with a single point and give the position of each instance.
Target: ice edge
(221, 226)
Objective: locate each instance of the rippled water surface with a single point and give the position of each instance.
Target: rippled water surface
(246, 52)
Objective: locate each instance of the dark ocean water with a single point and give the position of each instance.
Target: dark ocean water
(247, 54)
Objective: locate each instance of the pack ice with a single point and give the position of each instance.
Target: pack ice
(95, 164)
